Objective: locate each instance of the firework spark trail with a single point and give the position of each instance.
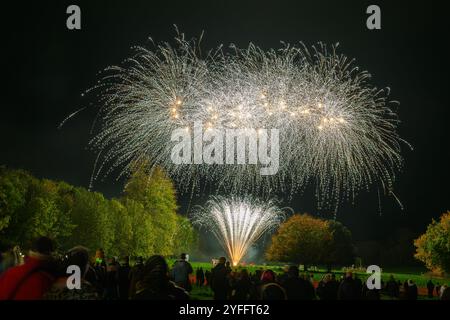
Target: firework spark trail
(238, 223)
(337, 132)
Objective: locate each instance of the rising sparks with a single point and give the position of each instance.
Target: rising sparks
(238, 223)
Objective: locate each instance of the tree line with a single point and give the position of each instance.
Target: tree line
(142, 222)
(312, 241)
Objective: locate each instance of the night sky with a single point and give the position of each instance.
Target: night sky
(48, 67)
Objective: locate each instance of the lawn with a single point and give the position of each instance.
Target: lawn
(418, 276)
(400, 274)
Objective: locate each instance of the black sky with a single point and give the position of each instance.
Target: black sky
(46, 67)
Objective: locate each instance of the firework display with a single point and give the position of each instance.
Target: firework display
(336, 131)
(238, 222)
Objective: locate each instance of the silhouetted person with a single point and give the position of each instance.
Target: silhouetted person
(256, 278)
(297, 288)
(154, 283)
(77, 256)
(219, 280)
(268, 276)
(371, 294)
(347, 288)
(34, 278)
(445, 293)
(243, 286)
(232, 279)
(124, 278)
(430, 288)
(180, 273)
(272, 291)
(112, 280)
(358, 287)
(100, 271)
(200, 277)
(93, 278)
(284, 275)
(392, 288)
(438, 289)
(10, 258)
(311, 279)
(135, 275)
(327, 288)
(208, 277)
(411, 290)
(333, 287)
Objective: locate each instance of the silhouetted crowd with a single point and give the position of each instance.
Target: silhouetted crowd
(42, 276)
(291, 285)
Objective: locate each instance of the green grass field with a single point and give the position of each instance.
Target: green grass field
(419, 278)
